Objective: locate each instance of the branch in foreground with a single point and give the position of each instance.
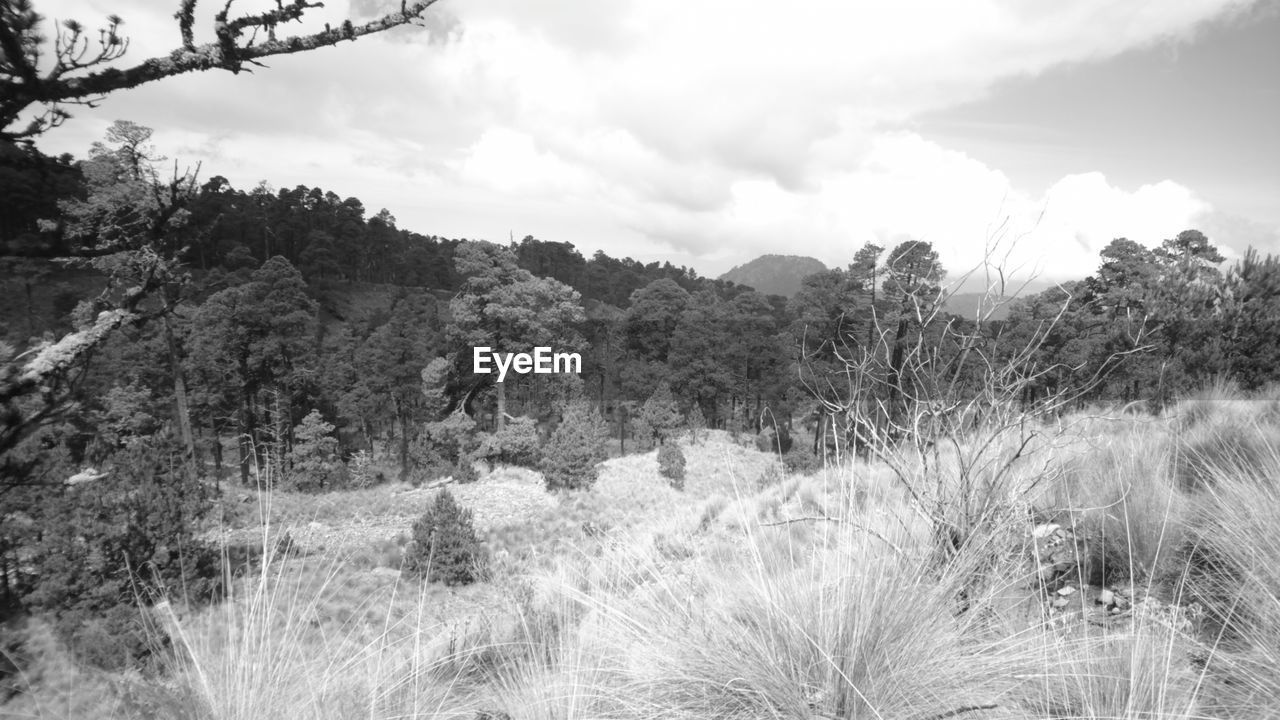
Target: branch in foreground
(842, 521)
(237, 45)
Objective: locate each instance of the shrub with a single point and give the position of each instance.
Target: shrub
(116, 542)
(445, 547)
(362, 471)
(659, 417)
(445, 446)
(465, 472)
(772, 474)
(671, 464)
(696, 422)
(576, 447)
(799, 461)
(516, 443)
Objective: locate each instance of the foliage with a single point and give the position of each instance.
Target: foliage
(81, 76)
(118, 541)
(696, 422)
(448, 444)
(313, 459)
(445, 547)
(651, 319)
(507, 309)
(799, 461)
(575, 449)
(517, 443)
(659, 417)
(671, 463)
(361, 470)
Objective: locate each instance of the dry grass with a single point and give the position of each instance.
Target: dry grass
(820, 597)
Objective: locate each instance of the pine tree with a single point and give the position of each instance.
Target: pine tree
(575, 449)
(660, 416)
(445, 547)
(313, 460)
(671, 464)
(696, 422)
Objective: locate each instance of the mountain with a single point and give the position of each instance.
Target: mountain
(775, 274)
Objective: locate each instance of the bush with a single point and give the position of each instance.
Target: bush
(362, 471)
(659, 417)
(445, 547)
(774, 440)
(517, 443)
(671, 464)
(576, 447)
(799, 461)
(696, 422)
(116, 542)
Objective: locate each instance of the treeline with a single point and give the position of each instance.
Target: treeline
(248, 337)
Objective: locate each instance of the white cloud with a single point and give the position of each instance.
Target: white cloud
(712, 128)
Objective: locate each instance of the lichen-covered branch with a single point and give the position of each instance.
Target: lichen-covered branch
(77, 79)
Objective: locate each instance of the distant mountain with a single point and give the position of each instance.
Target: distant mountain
(966, 305)
(775, 274)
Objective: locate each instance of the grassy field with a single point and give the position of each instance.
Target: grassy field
(1102, 567)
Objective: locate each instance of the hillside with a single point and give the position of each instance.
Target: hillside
(775, 274)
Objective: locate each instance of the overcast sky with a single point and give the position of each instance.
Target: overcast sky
(707, 132)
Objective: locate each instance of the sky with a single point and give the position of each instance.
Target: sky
(1017, 133)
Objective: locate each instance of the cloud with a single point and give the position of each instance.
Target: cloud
(707, 128)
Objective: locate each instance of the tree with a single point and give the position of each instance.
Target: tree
(671, 463)
(390, 363)
(258, 338)
(313, 459)
(575, 450)
(652, 318)
(445, 547)
(1252, 323)
(659, 416)
(81, 74)
(504, 307)
(125, 227)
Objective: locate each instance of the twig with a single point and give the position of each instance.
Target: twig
(843, 521)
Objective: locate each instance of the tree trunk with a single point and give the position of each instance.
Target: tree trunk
(896, 361)
(217, 453)
(248, 434)
(404, 446)
(501, 421)
(183, 409)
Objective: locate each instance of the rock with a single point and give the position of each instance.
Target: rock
(386, 572)
(1061, 602)
(1106, 597)
(1066, 591)
(314, 526)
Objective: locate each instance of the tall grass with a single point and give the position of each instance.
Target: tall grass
(820, 597)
